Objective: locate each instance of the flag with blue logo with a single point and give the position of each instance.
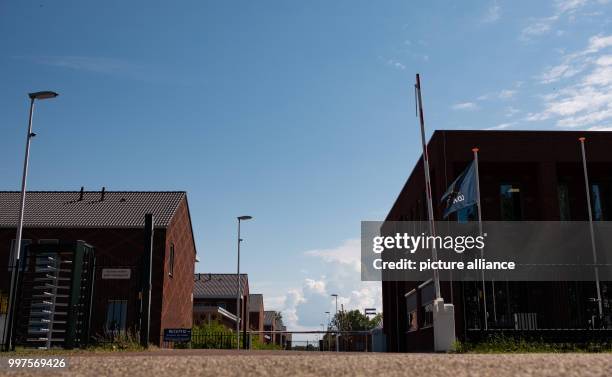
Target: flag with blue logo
(462, 192)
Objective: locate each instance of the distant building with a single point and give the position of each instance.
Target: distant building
(524, 175)
(112, 223)
(256, 312)
(274, 327)
(214, 298)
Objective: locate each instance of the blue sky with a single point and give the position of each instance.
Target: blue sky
(300, 114)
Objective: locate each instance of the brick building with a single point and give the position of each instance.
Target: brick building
(524, 175)
(112, 222)
(214, 295)
(256, 312)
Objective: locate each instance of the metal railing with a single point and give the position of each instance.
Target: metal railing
(323, 341)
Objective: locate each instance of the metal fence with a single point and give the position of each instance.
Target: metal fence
(322, 341)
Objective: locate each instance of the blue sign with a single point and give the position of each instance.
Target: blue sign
(177, 335)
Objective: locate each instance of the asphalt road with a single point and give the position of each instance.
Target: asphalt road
(185, 363)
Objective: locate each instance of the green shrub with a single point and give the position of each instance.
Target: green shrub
(500, 343)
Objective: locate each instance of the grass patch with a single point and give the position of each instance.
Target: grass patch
(499, 343)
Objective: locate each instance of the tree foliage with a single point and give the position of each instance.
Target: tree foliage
(354, 320)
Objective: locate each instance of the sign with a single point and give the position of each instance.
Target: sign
(116, 273)
(177, 335)
(370, 311)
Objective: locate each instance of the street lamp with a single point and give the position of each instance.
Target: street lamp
(15, 272)
(240, 218)
(327, 331)
(337, 322)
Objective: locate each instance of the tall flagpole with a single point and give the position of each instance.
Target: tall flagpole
(594, 249)
(432, 230)
(484, 288)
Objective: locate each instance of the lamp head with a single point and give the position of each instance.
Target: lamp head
(242, 218)
(42, 95)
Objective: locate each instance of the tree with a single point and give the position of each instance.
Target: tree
(354, 320)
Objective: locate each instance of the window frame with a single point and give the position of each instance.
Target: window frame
(123, 315)
(513, 185)
(426, 307)
(412, 311)
(171, 261)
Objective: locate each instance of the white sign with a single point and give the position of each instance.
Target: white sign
(116, 273)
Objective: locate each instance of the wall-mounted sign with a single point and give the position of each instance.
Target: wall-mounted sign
(177, 335)
(116, 273)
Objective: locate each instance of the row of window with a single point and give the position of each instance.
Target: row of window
(511, 205)
(420, 316)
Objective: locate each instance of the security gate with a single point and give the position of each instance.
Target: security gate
(55, 294)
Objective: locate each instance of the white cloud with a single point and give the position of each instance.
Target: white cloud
(583, 97)
(501, 126)
(600, 128)
(538, 27)
(506, 94)
(343, 254)
(599, 42)
(464, 106)
(564, 6)
(493, 12)
(396, 64)
(544, 25)
(558, 72)
(303, 307)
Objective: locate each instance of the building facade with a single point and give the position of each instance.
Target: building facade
(112, 222)
(524, 175)
(215, 294)
(256, 312)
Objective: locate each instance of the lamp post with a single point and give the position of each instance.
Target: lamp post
(337, 322)
(327, 331)
(17, 245)
(240, 218)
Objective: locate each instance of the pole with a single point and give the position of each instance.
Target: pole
(337, 326)
(484, 287)
(16, 259)
(145, 327)
(430, 213)
(238, 293)
(593, 247)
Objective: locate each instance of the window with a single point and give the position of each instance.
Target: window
(22, 254)
(412, 307)
(510, 198)
(116, 315)
(601, 201)
(171, 261)
(48, 241)
(427, 298)
(428, 315)
(564, 203)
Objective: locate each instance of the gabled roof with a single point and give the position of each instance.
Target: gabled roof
(255, 302)
(207, 285)
(65, 209)
(270, 316)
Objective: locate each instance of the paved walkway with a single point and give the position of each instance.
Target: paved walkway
(186, 363)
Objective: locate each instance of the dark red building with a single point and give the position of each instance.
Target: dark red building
(256, 312)
(112, 222)
(214, 297)
(524, 175)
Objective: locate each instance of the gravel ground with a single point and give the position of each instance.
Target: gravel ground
(210, 363)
